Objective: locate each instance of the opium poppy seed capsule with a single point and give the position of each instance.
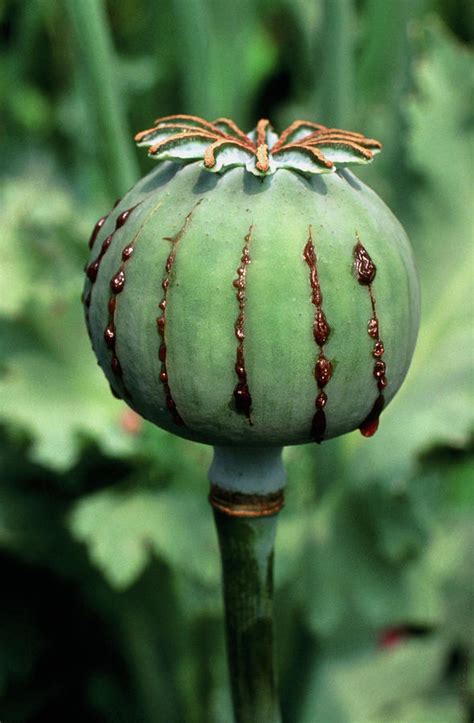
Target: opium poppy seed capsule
(233, 305)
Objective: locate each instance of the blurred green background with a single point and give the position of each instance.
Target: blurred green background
(110, 607)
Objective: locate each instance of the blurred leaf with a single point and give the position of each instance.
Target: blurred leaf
(50, 387)
(435, 406)
(450, 561)
(45, 392)
(22, 524)
(459, 487)
(40, 241)
(436, 709)
(363, 689)
(30, 110)
(123, 529)
(359, 549)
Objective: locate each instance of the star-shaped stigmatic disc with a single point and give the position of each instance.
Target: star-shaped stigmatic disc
(304, 147)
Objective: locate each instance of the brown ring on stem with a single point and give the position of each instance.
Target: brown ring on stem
(239, 504)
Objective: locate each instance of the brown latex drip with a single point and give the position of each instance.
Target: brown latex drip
(117, 285)
(242, 396)
(323, 369)
(366, 270)
(92, 269)
(161, 320)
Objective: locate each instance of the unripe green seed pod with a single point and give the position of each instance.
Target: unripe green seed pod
(250, 290)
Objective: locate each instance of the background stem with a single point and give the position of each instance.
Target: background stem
(97, 60)
(246, 547)
(336, 80)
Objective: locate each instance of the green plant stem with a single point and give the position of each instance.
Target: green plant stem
(97, 61)
(246, 547)
(337, 39)
(193, 25)
(381, 75)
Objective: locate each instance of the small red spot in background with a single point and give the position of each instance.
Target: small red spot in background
(392, 637)
(131, 422)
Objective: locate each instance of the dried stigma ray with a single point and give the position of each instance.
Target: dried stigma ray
(242, 396)
(161, 320)
(366, 270)
(323, 369)
(304, 146)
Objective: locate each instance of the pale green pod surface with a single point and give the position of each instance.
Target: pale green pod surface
(248, 292)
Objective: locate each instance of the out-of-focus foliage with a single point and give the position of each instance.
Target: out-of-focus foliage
(111, 607)
(439, 145)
